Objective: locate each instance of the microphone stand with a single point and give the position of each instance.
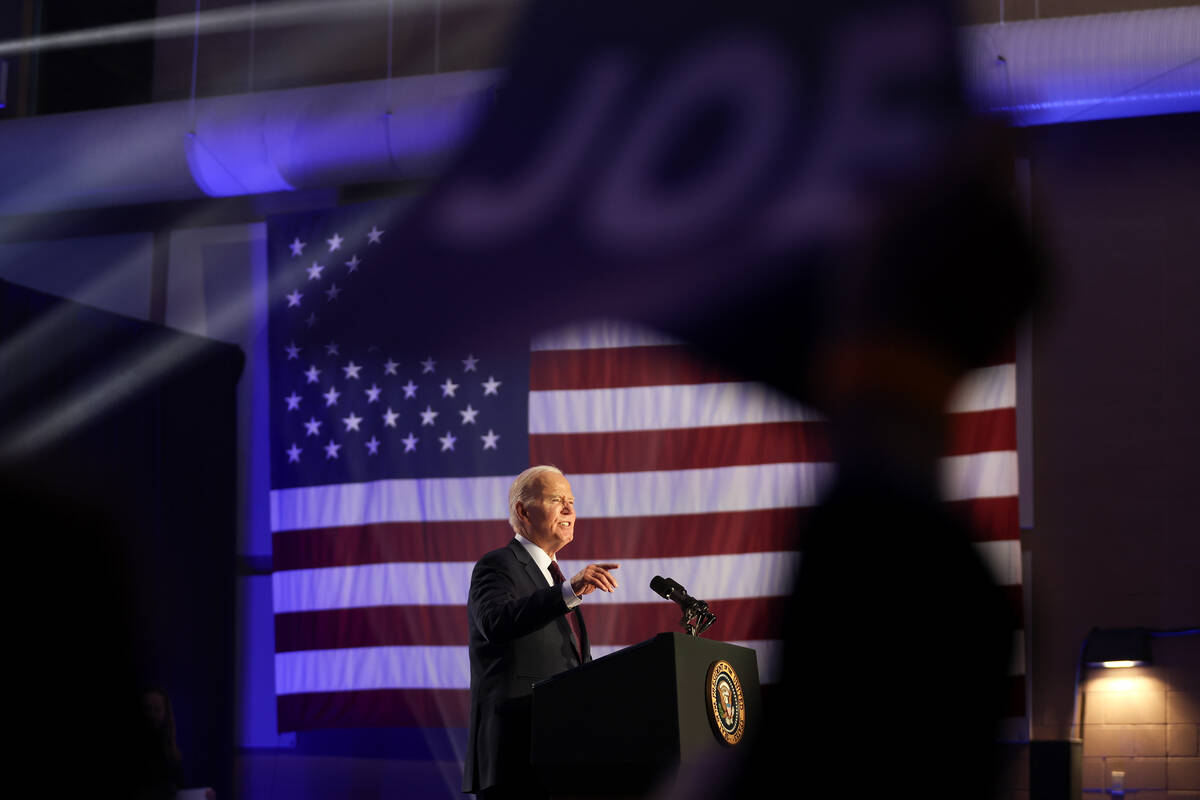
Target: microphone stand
(697, 618)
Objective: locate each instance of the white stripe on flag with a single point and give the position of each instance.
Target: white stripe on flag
(436, 583)
(985, 389)
(359, 668)
(424, 667)
(643, 408)
(770, 658)
(613, 494)
(705, 577)
(1003, 560)
(621, 494)
(446, 583)
(600, 334)
(428, 499)
(990, 474)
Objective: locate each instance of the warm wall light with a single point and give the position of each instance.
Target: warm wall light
(1124, 647)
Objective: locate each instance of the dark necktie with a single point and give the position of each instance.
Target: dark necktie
(557, 575)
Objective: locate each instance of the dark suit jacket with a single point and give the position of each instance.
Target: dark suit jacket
(519, 635)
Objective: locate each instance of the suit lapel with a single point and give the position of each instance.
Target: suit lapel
(538, 581)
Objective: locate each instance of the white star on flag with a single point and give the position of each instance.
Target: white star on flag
(427, 365)
(351, 370)
(331, 397)
(332, 292)
(372, 446)
(373, 393)
(294, 299)
(312, 373)
(314, 272)
(293, 351)
(334, 242)
(468, 415)
(293, 454)
(293, 401)
(448, 388)
(428, 416)
(313, 426)
(297, 246)
(389, 366)
(389, 419)
(311, 320)
(469, 363)
(331, 449)
(374, 234)
(447, 441)
(351, 422)
(491, 386)
(331, 349)
(410, 389)
(410, 443)
(352, 264)
(490, 439)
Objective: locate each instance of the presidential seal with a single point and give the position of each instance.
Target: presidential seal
(726, 704)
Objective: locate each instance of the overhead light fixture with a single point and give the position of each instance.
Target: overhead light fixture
(1117, 648)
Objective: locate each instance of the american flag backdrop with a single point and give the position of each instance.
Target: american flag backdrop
(391, 465)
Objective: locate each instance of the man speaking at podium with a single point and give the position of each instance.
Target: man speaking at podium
(525, 625)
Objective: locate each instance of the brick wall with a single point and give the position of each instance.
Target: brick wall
(1144, 721)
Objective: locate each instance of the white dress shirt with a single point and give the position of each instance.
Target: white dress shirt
(543, 561)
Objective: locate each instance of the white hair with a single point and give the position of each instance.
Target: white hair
(521, 491)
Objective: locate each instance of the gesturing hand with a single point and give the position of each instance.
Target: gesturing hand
(594, 576)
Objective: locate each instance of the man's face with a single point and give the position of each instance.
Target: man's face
(550, 515)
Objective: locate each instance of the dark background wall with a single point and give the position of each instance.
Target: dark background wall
(1116, 387)
(1116, 540)
(121, 524)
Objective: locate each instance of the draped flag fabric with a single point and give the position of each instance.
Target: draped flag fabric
(390, 472)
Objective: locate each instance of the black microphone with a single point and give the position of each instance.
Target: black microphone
(670, 590)
(696, 616)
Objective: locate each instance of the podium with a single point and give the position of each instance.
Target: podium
(624, 723)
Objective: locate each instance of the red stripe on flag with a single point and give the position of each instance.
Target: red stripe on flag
(419, 708)
(740, 619)
(374, 626)
(668, 536)
(982, 432)
(429, 626)
(682, 448)
(387, 542)
(680, 535)
(991, 519)
(606, 368)
(650, 365)
(738, 445)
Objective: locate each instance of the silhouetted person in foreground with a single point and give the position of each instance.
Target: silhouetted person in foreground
(164, 773)
(71, 622)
